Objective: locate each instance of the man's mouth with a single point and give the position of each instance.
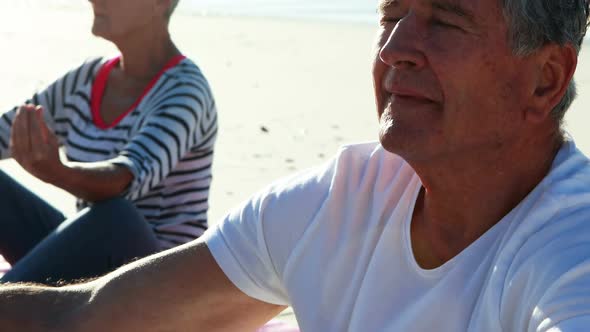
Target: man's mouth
(409, 95)
(403, 102)
(408, 98)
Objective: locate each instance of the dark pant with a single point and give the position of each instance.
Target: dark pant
(45, 247)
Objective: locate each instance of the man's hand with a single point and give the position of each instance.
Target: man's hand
(33, 145)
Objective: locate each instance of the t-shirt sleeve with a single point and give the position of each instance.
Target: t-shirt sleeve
(241, 249)
(53, 100)
(574, 324)
(182, 118)
(565, 304)
(548, 287)
(252, 245)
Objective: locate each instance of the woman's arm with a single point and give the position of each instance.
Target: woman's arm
(181, 116)
(35, 145)
(35, 148)
(52, 99)
(93, 181)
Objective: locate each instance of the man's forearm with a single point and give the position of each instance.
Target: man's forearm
(182, 289)
(30, 308)
(92, 181)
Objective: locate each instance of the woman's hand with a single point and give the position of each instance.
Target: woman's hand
(33, 145)
(36, 149)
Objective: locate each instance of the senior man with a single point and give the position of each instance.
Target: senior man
(472, 214)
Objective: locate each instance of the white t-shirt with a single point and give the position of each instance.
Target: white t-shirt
(333, 242)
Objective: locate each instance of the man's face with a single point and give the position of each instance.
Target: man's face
(117, 18)
(446, 82)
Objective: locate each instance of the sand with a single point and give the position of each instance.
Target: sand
(289, 93)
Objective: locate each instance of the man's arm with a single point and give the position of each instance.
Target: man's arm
(39, 308)
(182, 289)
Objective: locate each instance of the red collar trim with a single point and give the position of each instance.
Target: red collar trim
(100, 83)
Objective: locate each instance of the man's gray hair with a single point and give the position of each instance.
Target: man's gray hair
(535, 23)
(173, 5)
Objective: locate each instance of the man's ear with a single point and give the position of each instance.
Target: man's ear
(557, 65)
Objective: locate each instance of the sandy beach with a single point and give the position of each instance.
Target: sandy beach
(289, 93)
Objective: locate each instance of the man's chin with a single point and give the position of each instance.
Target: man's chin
(389, 142)
(388, 133)
(407, 145)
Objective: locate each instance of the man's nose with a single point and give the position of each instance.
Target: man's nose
(402, 47)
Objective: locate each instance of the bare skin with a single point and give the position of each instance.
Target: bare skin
(159, 293)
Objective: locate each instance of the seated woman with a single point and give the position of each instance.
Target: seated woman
(138, 131)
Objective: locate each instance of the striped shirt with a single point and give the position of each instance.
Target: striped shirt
(166, 140)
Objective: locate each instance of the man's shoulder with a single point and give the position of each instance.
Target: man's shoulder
(359, 176)
(353, 164)
(547, 241)
(565, 191)
(567, 186)
(368, 157)
(553, 224)
(364, 153)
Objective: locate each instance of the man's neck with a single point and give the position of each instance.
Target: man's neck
(465, 197)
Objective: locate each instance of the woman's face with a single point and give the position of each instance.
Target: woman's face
(114, 19)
